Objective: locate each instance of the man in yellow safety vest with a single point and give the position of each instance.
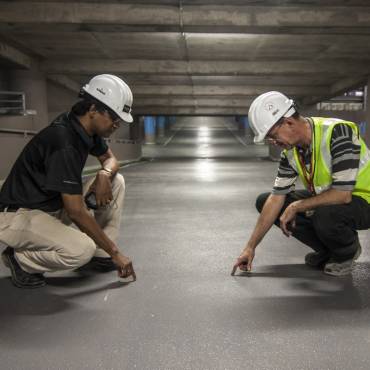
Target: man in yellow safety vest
(333, 163)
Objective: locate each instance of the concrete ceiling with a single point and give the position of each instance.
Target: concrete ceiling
(194, 56)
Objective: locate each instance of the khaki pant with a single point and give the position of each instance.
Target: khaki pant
(46, 242)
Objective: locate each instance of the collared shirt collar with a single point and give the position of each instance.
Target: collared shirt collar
(76, 124)
(309, 148)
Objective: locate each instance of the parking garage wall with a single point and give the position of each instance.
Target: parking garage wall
(53, 101)
(353, 116)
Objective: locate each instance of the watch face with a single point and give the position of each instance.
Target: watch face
(90, 200)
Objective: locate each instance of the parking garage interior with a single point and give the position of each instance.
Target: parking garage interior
(192, 175)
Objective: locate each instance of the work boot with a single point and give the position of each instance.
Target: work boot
(343, 268)
(317, 259)
(21, 278)
(100, 264)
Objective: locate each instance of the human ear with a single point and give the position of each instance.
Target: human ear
(289, 121)
(92, 111)
(92, 108)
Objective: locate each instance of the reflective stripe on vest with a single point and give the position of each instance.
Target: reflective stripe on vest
(322, 179)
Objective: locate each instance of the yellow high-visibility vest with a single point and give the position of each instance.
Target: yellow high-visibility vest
(321, 159)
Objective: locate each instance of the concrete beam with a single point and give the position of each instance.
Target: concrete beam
(91, 13)
(277, 16)
(190, 101)
(201, 67)
(15, 56)
(347, 84)
(196, 18)
(192, 110)
(65, 82)
(208, 90)
(338, 88)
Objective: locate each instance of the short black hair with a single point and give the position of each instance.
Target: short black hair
(83, 106)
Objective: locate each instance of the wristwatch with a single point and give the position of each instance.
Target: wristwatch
(108, 170)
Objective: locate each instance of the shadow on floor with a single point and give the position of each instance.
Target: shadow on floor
(50, 300)
(37, 302)
(312, 299)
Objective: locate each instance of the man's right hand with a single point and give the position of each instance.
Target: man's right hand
(124, 266)
(244, 261)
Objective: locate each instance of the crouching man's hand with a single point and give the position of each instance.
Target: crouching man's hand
(244, 261)
(102, 188)
(124, 266)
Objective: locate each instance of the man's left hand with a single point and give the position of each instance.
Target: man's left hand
(287, 219)
(102, 187)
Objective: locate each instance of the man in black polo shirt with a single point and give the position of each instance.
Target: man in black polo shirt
(44, 194)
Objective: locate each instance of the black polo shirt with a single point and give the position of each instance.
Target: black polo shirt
(51, 164)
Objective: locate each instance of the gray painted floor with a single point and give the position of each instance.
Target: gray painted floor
(187, 216)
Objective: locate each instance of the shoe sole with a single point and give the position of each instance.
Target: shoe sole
(341, 273)
(358, 253)
(8, 264)
(5, 260)
(349, 269)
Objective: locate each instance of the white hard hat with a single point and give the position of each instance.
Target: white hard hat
(112, 92)
(266, 110)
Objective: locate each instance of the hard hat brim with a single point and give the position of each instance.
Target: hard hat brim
(259, 139)
(126, 117)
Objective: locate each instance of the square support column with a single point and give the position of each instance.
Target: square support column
(33, 84)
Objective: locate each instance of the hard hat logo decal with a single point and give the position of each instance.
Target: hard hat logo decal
(101, 90)
(269, 106)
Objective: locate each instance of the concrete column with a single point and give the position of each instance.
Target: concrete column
(248, 133)
(240, 124)
(33, 84)
(167, 126)
(274, 152)
(366, 129)
(4, 81)
(149, 128)
(135, 129)
(172, 120)
(236, 122)
(161, 120)
(142, 129)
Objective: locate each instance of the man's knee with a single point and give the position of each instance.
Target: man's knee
(119, 182)
(81, 253)
(261, 200)
(325, 220)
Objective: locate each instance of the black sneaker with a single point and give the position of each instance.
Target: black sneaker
(317, 259)
(21, 278)
(100, 264)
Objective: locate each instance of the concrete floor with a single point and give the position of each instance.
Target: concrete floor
(187, 216)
